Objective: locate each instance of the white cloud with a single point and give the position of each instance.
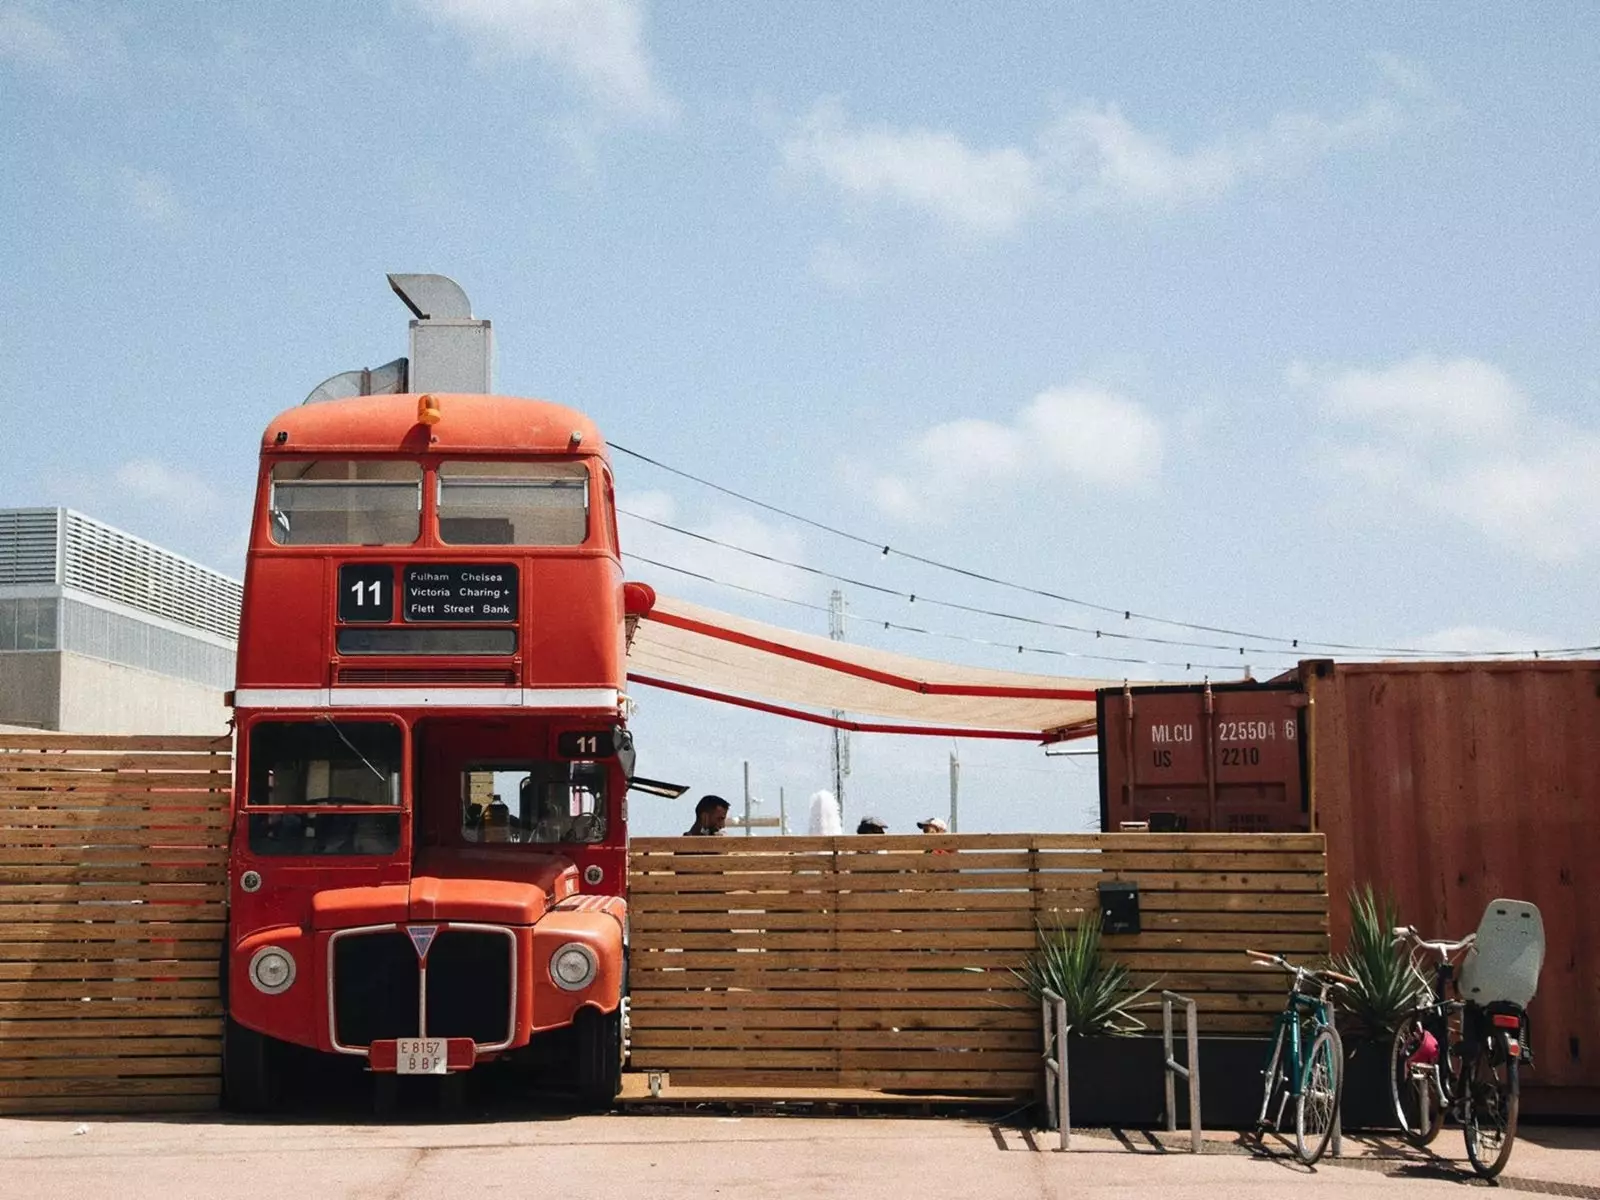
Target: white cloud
(1458, 438)
(986, 190)
(150, 480)
(1090, 156)
(25, 38)
(149, 195)
(1424, 396)
(1081, 433)
(169, 505)
(599, 44)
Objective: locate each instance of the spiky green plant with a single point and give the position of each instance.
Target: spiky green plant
(1388, 985)
(1098, 995)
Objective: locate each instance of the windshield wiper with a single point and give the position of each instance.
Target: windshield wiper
(382, 778)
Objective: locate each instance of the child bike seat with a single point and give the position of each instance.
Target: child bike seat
(1503, 965)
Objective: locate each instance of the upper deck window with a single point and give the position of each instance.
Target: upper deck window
(513, 504)
(332, 502)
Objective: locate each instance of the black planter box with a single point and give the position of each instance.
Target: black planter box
(1366, 1102)
(1121, 1081)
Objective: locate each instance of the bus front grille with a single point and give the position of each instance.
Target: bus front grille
(375, 988)
(470, 985)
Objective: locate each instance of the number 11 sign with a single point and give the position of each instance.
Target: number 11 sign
(366, 592)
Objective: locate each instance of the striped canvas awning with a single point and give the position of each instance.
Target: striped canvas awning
(702, 652)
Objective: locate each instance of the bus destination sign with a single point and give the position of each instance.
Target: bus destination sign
(460, 592)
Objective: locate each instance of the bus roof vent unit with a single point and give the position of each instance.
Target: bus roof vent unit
(450, 351)
(369, 381)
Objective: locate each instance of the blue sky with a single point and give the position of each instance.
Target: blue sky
(1280, 318)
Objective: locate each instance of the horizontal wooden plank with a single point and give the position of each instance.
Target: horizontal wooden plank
(95, 820)
(1271, 942)
(1012, 1084)
(808, 979)
(67, 970)
(73, 1029)
(932, 962)
(1291, 842)
(737, 901)
(1315, 902)
(1199, 843)
(862, 1000)
(668, 1058)
(111, 910)
(14, 954)
(221, 742)
(83, 893)
(91, 990)
(1158, 861)
(110, 1073)
(828, 884)
(651, 922)
(650, 1017)
(93, 1087)
(155, 838)
(115, 857)
(748, 1039)
(127, 925)
(86, 782)
(900, 941)
(82, 876)
(119, 1046)
(42, 1010)
(114, 760)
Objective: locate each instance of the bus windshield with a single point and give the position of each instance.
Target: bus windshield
(533, 802)
(513, 503)
(324, 764)
(333, 502)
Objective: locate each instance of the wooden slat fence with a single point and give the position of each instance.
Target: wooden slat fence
(886, 962)
(113, 869)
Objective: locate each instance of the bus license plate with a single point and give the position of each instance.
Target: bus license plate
(419, 1056)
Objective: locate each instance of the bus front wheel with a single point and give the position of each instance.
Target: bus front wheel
(252, 1078)
(598, 1038)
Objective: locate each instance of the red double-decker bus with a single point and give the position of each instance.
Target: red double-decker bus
(428, 852)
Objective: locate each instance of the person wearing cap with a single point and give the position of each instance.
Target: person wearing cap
(710, 815)
(933, 825)
(871, 825)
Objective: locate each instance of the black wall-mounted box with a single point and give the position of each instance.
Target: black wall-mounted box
(1119, 907)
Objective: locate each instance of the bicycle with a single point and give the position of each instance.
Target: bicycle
(1458, 1058)
(1313, 1079)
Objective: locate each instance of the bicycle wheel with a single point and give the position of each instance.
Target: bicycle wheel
(1318, 1103)
(1492, 1104)
(1275, 1082)
(1414, 1085)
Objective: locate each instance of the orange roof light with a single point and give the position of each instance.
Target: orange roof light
(427, 410)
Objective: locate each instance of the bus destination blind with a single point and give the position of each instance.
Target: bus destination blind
(460, 592)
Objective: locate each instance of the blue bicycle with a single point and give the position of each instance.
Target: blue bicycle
(1307, 1060)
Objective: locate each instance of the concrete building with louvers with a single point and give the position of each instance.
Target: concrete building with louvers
(104, 632)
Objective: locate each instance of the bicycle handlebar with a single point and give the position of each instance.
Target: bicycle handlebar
(1279, 961)
(1443, 949)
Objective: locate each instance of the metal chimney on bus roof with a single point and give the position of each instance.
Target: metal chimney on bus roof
(450, 350)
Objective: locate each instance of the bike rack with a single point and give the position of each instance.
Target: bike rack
(1054, 1011)
(1191, 1072)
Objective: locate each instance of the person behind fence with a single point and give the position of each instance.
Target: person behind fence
(871, 825)
(933, 825)
(710, 815)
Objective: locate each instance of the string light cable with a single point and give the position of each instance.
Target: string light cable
(885, 549)
(998, 614)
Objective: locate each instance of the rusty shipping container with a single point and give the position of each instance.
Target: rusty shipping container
(1224, 758)
(1451, 784)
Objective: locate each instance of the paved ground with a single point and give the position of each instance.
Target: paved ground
(668, 1157)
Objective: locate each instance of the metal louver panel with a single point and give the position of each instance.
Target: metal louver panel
(28, 545)
(106, 562)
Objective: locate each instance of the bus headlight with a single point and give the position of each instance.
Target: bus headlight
(573, 967)
(271, 970)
